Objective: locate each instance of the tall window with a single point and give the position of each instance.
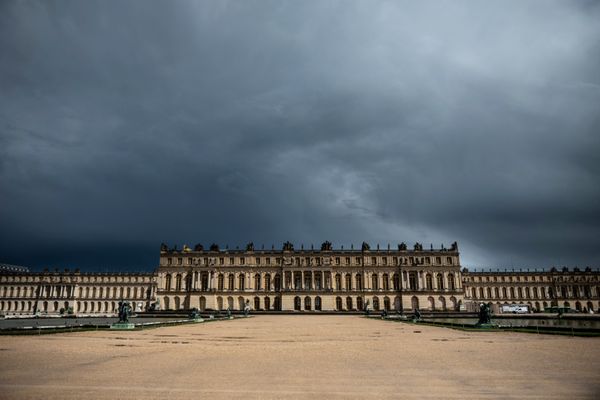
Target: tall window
(375, 282)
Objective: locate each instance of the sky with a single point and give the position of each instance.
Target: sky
(124, 124)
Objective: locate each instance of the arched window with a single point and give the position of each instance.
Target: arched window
(307, 305)
(220, 283)
(230, 283)
(481, 296)
(431, 303)
(349, 303)
(512, 292)
(451, 284)
(496, 293)
(297, 303)
(338, 282)
(489, 293)
(277, 283)
(520, 291)
(503, 292)
(318, 303)
(375, 282)
(527, 293)
(440, 281)
(429, 282)
(535, 293)
(396, 281)
(242, 283)
(267, 302)
(386, 303)
(443, 303)
(257, 282)
(376, 303)
(473, 293)
(359, 283)
(386, 282)
(257, 303)
(178, 284)
(359, 303)
(348, 282)
(338, 303)
(268, 282)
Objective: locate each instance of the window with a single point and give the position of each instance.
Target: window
(257, 260)
(231, 261)
(268, 261)
(427, 260)
(242, 260)
(373, 260)
(180, 261)
(347, 260)
(337, 261)
(438, 260)
(357, 260)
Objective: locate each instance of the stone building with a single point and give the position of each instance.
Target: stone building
(566, 288)
(68, 292)
(307, 280)
(310, 280)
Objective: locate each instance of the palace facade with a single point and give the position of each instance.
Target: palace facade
(303, 280)
(310, 280)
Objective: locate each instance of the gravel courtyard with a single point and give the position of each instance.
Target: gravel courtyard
(306, 357)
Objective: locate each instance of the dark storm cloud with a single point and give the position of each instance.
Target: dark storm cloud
(123, 125)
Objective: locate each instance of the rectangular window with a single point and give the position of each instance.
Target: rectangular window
(189, 260)
(318, 260)
(427, 260)
(384, 259)
(221, 261)
(268, 261)
(231, 261)
(347, 260)
(180, 261)
(242, 260)
(449, 260)
(373, 260)
(337, 261)
(395, 260)
(257, 260)
(357, 260)
(169, 261)
(438, 260)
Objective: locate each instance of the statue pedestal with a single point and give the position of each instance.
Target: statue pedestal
(122, 326)
(197, 319)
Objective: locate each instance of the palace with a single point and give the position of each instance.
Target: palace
(302, 280)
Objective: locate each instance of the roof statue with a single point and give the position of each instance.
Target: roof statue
(326, 246)
(198, 247)
(287, 246)
(214, 247)
(365, 246)
(250, 246)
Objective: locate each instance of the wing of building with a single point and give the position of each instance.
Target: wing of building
(307, 280)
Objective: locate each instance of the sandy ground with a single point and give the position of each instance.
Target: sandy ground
(308, 357)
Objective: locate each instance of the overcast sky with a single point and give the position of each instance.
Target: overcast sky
(128, 124)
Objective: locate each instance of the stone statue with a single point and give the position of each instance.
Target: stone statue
(194, 313)
(124, 311)
(164, 248)
(418, 247)
(247, 308)
(250, 246)
(214, 247)
(365, 246)
(454, 246)
(417, 315)
(198, 247)
(402, 246)
(287, 246)
(485, 314)
(326, 246)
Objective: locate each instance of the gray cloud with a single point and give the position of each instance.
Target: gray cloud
(129, 124)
